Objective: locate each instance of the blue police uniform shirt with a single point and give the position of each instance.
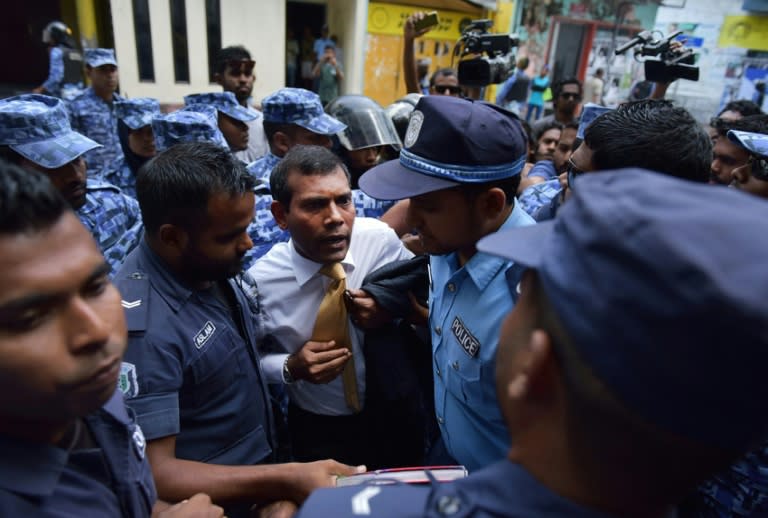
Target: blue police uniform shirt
(55, 77)
(188, 371)
(113, 219)
(261, 168)
(123, 178)
(467, 305)
(111, 479)
(503, 489)
(95, 118)
(539, 195)
(543, 169)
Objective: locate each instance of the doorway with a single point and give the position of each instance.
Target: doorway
(303, 24)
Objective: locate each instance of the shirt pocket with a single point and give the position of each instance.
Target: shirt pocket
(464, 378)
(217, 368)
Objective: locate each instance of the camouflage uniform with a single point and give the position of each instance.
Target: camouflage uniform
(135, 113)
(113, 219)
(191, 124)
(95, 118)
(225, 102)
(538, 195)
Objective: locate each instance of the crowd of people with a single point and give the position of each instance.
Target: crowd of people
(224, 310)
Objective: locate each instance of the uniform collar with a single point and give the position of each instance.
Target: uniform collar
(30, 468)
(171, 289)
(304, 269)
(482, 267)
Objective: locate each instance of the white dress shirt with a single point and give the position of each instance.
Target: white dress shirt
(291, 288)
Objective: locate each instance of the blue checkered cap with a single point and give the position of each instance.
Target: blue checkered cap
(755, 143)
(37, 127)
(590, 112)
(225, 102)
(98, 57)
(137, 113)
(666, 317)
(192, 124)
(300, 107)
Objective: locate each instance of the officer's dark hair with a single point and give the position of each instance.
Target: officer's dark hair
(557, 87)
(652, 134)
(175, 186)
(608, 438)
(752, 123)
(508, 185)
(553, 124)
(307, 161)
(9, 155)
(227, 54)
(28, 200)
(742, 106)
(441, 72)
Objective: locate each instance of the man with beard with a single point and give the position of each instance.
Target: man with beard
(234, 71)
(35, 134)
(191, 372)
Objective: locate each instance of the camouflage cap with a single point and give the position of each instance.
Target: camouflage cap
(225, 102)
(300, 107)
(99, 57)
(137, 113)
(191, 124)
(755, 143)
(37, 127)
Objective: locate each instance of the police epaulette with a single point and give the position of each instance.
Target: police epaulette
(134, 288)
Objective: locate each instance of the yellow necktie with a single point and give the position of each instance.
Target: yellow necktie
(332, 324)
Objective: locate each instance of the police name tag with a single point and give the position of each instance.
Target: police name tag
(468, 342)
(204, 334)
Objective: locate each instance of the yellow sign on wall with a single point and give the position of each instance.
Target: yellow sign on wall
(746, 32)
(390, 18)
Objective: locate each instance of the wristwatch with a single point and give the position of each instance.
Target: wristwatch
(287, 378)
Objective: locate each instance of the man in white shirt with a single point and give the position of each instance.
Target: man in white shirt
(313, 200)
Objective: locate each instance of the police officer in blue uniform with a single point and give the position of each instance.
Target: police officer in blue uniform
(36, 131)
(134, 127)
(231, 117)
(93, 112)
(460, 167)
(68, 446)
(65, 63)
(607, 386)
(187, 125)
(191, 372)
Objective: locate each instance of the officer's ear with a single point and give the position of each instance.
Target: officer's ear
(279, 212)
(217, 78)
(490, 204)
(173, 238)
(281, 142)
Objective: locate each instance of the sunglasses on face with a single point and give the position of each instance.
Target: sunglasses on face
(573, 172)
(568, 95)
(244, 66)
(447, 89)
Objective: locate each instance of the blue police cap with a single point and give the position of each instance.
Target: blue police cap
(755, 143)
(98, 57)
(225, 102)
(192, 124)
(450, 141)
(647, 275)
(137, 113)
(590, 112)
(37, 127)
(300, 107)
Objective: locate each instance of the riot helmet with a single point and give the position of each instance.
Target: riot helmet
(399, 112)
(367, 123)
(57, 33)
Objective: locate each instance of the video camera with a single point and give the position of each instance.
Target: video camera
(673, 63)
(498, 62)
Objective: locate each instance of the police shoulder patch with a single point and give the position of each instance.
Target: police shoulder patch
(414, 128)
(127, 382)
(467, 340)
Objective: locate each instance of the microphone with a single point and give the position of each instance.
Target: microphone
(643, 37)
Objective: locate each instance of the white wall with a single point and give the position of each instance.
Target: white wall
(258, 25)
(348, 19)
(702, 98)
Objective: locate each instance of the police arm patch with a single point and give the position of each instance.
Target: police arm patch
(127, 382)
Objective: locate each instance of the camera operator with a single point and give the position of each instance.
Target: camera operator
(329, 74)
